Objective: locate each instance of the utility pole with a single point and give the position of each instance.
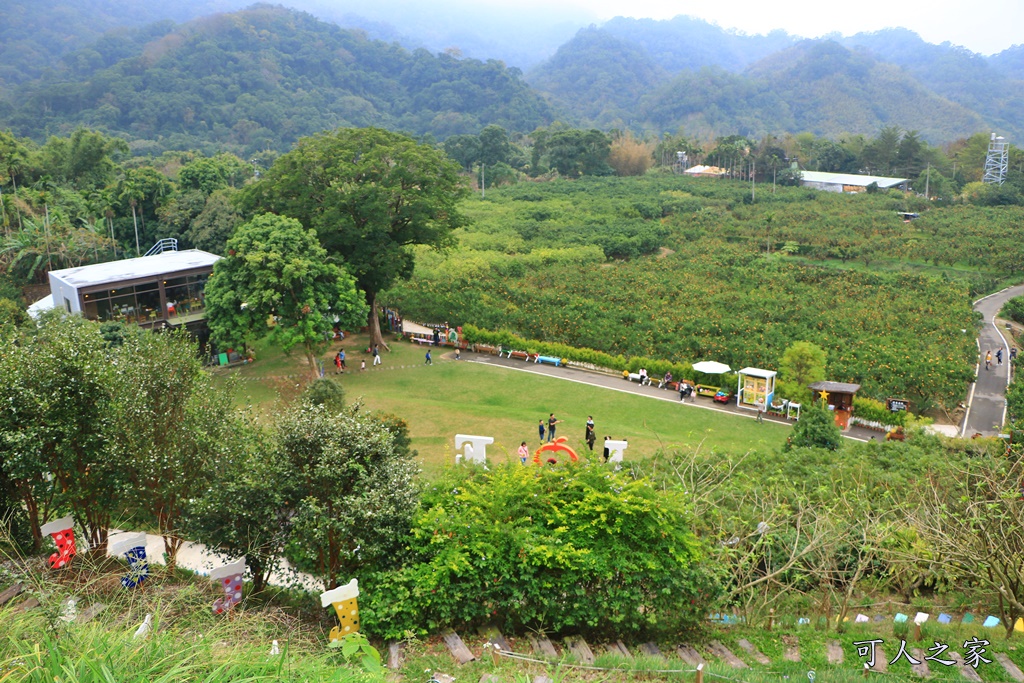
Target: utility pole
(483, 181)
(753, 172)
(927, 178)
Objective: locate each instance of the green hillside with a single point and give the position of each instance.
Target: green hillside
(261, 78)
(35, 34)
(598, 77)
(816, 86)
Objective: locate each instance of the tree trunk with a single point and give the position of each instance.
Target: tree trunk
(373, 322)
(138, 251)
(33, 519)
(311, 359)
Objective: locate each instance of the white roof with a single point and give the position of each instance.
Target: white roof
(44, 304)
(715, 170)
(136, 268)
(758, 372)
(849, 179)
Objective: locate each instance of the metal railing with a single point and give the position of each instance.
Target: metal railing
(166, 244)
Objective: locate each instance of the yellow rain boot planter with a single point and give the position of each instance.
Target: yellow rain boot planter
(346, 606)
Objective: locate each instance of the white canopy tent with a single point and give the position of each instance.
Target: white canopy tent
(710, 367)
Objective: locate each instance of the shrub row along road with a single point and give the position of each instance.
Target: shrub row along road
(986, 406)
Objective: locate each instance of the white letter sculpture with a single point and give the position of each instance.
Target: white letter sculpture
(475, 448)
(616, 449)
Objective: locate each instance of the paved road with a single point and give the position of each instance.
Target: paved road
(616, 383)
(986, 406)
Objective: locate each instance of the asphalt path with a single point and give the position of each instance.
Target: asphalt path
(986, 403)
(616, 383)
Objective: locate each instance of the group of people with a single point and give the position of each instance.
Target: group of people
(549, 430)
(999, 357)
(341, 367)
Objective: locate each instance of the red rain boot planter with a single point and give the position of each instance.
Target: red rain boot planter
(230, 579)
(64, 536)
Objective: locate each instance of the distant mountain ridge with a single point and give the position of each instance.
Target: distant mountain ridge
(259, 78)
(722, 82)
(263, 77)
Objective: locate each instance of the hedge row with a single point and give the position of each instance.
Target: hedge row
(508, 340)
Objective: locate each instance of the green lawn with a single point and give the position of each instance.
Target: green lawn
(452, 397)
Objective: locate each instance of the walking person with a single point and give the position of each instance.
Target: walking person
(551, 426)
(362, 365)
(988, 359)
(341, 359)
(428, 361)
(607, 453)
(760, 410)
(588, 435)
(337, 363)
(999, 356)
(458, 355)
(1013, 353)
(376, 355)
(682, 391)
(524, 453)
(540, 428)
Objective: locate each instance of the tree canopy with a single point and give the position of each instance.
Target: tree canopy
(276, 281)
(370, 195)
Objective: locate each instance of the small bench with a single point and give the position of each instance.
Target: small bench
(519, 355)
(549, 359)
(707, 390)
(486, 348)
(422, 340)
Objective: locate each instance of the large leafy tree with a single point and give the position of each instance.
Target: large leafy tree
(356, 489)
(371, 195)
(54, 417)
(246, 508)
(276, 270)
(169, 427)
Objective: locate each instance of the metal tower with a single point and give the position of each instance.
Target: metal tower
(681, 162)
(997, 160)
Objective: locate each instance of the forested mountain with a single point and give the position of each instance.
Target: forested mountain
(690, 43)
(34, 34)
(823, 86)
(264, 77)
(608, 95)
(1010, 62)
(952, 72)
(831, 90)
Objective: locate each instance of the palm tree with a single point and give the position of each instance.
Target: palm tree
(131, 191)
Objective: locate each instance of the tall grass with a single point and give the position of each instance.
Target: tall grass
(187, 641)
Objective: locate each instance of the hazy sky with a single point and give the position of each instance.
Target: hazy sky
(984, 26)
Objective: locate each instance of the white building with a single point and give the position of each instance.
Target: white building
(847, 182)
(158, 290)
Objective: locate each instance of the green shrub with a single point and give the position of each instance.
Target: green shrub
(875, 411)
(570, 547)
(1014, 309)
(816, 429)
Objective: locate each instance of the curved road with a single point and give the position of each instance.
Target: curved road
(986, 405)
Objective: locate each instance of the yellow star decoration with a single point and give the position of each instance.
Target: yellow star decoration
(824, 396)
